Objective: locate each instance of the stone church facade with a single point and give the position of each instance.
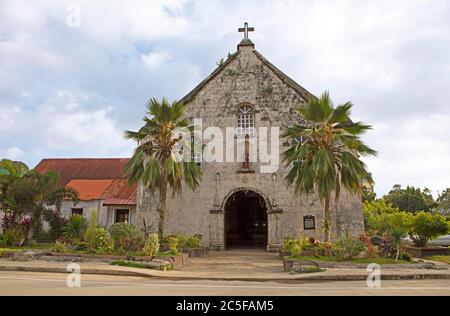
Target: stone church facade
(236, 205)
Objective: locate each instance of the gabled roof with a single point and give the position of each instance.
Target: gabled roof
(305, 94)
(94, 179)
(112, 191)
(188, 98)
(89, 189)
(85, 168)
(285, 78)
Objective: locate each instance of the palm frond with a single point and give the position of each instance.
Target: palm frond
(328, 159)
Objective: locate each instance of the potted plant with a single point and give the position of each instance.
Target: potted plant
(193, 245)
(286, 247)
(308, 247)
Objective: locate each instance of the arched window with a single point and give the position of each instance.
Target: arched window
(246, 121)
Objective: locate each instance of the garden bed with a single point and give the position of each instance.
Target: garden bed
(421, 252)
(295, 264)
(163, 259)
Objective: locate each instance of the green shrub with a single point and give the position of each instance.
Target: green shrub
(60, 247)
(99, 241)
(306, 243)
(312, 270)
(129, 264)
(405, 257)
(91, 231)
(372, 211)
(12, 237)
(426, 227)
(75, 228)
(296, 250)
(296, 246)
(192, 242)
(151, 247)
(182, 241)
(173, 242)
(56, 222)
(81, 246)
(348, 248)
(44, 236)
(288, 243)
(376, 240)
(126, 237)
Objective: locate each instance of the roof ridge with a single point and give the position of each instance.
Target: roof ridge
(285, 78)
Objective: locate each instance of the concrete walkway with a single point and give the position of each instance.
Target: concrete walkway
(228, 266)
(237, 262)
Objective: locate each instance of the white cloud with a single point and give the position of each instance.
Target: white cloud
(62, 125)
(155, 59)
(13, 153)
(414, 152)
(71, 91)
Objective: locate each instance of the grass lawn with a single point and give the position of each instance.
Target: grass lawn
(444, 259)
(130, 264)
(124, 263)
(313, 270)
(356, 260)
(3, 250)
(166, 254)
(32, 246)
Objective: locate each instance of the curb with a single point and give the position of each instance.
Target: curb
(312, 277)
(64, 270)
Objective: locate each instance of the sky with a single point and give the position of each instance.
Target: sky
(75, 74)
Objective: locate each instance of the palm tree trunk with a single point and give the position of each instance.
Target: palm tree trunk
(162, 205)
(327, 220)
(398, 252)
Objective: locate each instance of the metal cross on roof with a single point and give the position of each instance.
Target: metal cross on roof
(245, 30)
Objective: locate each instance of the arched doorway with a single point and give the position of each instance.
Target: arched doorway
(246, 224)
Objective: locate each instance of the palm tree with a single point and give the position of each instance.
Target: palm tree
(325, 151)
(154, 162)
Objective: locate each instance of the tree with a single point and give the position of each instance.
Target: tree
(10, 173)
(40, 196)
(444, 203)
(411, 199)
(368, 195)
(426, 227)
(399, 226)
(154, 162)
(372, 211)
(389, 221)
(325, 152)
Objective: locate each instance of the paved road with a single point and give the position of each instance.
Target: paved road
(26, 283)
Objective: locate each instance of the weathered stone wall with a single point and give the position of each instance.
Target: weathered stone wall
(246, 80)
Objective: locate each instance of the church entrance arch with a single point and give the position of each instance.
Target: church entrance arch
(246, 220)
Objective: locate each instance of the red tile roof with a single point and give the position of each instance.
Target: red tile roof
(94, 179)
(95, 168)
(90, 189)
(120, 193)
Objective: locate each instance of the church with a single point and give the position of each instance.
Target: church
(236, 205)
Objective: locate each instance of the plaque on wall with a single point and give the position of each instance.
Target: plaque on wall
(309, 222)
